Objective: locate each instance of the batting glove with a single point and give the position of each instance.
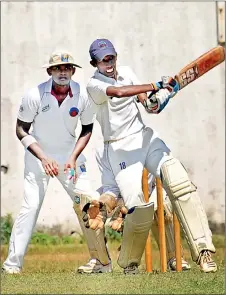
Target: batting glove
(171, 84)
(156, 102)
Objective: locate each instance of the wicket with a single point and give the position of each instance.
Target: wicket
(161, 229)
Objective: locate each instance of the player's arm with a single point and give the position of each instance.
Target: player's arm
(30, 143)
(130, 90)
(142, 97)
(135, 88)
(87, 118)
(82, 141)
(26, 115)
(100, 92)
(156, 100)
(27, 112)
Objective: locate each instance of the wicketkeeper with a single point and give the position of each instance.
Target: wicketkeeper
(116, 219)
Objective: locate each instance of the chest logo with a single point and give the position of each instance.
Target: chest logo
(73, 112)
(46, 108)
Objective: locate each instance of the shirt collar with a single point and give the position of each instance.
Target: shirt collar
(109, 80)
(73, 89)
(69, 92)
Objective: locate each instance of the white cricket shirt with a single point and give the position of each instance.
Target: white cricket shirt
(53, 125)
(118, 117)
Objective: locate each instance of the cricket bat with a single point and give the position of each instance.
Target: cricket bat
(200, 66)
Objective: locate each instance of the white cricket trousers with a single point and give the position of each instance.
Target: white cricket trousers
(35, 186)
(122, 162)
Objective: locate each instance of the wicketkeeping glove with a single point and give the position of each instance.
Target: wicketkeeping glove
(117, 219)
(94, 215)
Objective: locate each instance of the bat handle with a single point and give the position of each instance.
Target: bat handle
(152, 93)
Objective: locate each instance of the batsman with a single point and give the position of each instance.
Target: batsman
(129, 146)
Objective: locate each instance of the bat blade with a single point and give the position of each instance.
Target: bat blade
(200, 66)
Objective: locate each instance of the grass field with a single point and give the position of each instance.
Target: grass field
(52, 270)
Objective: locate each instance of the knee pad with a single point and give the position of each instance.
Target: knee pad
(175, 178)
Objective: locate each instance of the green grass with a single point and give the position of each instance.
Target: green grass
(192, 282)
(52, 270)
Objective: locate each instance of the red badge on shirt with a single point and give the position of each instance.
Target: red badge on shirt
(73, 112)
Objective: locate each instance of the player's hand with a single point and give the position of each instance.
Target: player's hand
(70, 168)
(94, 215)
(159, 100)
(50, 166)
(171, 84)
(117, 219)
(156, 101)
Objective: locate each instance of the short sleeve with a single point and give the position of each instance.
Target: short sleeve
(88, 113)
(133, 77)
(97, 91)
(29, 106)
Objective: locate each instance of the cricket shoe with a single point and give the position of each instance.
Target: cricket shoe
(172, 264)
(132, 269)
(95, 266)
(11, 270)
(206, 262)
